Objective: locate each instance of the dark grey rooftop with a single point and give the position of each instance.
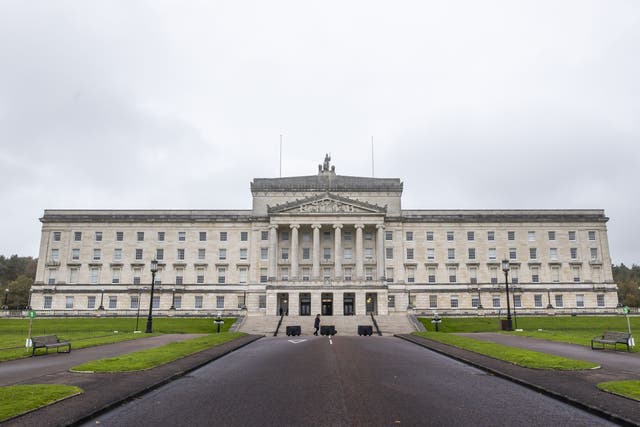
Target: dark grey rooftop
(326, 181)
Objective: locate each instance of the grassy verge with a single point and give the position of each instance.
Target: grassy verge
(153, 357)
(517, 356)
(18, 399)
(630, 389)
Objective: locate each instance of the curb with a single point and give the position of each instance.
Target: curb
(424, 342)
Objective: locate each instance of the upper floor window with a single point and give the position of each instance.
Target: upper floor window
(552, 235)
(532, 236)
(451, 253)
(429, 235)
(431, 253)
(96, 254)
(284, 235)
(592, 235)
(160, 236)
(471, 236)
(347, 236)
(409, 253)
(140, 236)
(56, 236)
(98, 236)
(492, 253)
(511, 235)
(243, 254)
(202, 236)
(409, 235)
(533, 253)
(182, 236)
(368, 235)
(223, 236)
(491, 235)
(264, 235)
(388, 253)
(472, 253)
(572, 235)
(77, 236)
(388, 235)
(222, 254)
(450, 236)
(244, 236)
(55, 255)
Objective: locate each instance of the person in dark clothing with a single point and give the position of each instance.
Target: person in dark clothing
(316, 324)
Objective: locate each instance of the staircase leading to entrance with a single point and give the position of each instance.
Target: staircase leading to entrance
(345, 325)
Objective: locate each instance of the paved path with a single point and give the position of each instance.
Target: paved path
(346, 381)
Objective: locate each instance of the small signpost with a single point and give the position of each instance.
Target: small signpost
(32, 315)
(436, 320)
(218, 321)
(632, 342)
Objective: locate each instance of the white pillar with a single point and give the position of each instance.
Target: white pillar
(294, 252)
(359, 253)
(273, 251)
(338, 251)
(315, 272)
(380, 251)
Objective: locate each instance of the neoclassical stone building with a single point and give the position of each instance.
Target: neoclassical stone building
(325, 243)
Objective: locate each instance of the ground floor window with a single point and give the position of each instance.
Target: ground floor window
(517, 301)
(454, 301)
(91, 302)
(537, 301)
(559, 301)
(220, 302)
(433, 301)
(156, 302)
(69, 302)
(392, 301)
(475, 302)
(177, 302)
(262, 301)
(580, 300)
(47, 301)
(496, 302)
(198, 301)
(600, 300)
(135, 302)
(113, 302)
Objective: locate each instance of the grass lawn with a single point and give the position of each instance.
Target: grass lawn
(517, 356)
(570, 329)
(87, 332)
(18, 399)
(630, 389)
(146, 359)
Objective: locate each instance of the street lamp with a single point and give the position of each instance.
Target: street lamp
(138, 313)
(549, 305)
(29, 302)
(154, 270)
(505, 268)
(479, 300)
(173, 299)
(101, 299)
(6, 296)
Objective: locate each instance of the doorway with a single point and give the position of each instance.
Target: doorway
(327, 304)
(283, 305)
(305, 304)
(372, 303)
(349, 304)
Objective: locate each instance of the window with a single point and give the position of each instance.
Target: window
(197, 301)
(594, 254)
(409, 235)
(326, 254)
(492, 253)
(537, 301)
(348, 254)
(243, 254)
(515, 271)
(553, 254)
(472, 253)
(200, 275)
(493, 275)
(98, 236)
(160, 236)
(495, 301)
(555, 274)
(77, 236)
(159, 254)
(411, 275)
(244, 236)
(559, 301)
(137, 272)
(533, 253)
(473, 275)
(517, 301)
(433, 301)
(513, 253)
(409, 253)
(306, 253)
(75, 254)
(579, 300)
(243, 273)
(431, 253)
(264, 275)
(452, 275)
(491, 235)
(284, 235)
(181, 254)
(264, 235)
(454, 301)
(573, 253)
(326, 236)
(222, 254)
(326, 273)
(91, 302)
(68, 302)
(572, 236)
(202, 236)
(388, 253)
(284, 274)
(262, 301)
(475, 301)
(117, 254)
(201, 254)
(431, 274)
(73, 275)
(222, 275)
(138, 254)
(182, 236)
(113, 302)
(97, 254)
(450, 236)
(600, 300)
(48, 299)
(532, 236)
(451, 253)
(56, 236)
(592, 235)
(368, 254)
(368, 273)
(535, 274)
(55, 255)
(306, 274)
(179, 276)
(575, 270)
(115, 275)
(348, 273)
(552, 235)
(368, 235)
(429, 236)
(389, 274)
(156, 302)
(284, 253)
(595, 274)
(223, 236)
(264, 254)
(391, 301)
(511, 235)
(347, 236)
(388, 235)
(471, 236)
(119, 236)
(140, 236)
(177, 301)
(241, 301)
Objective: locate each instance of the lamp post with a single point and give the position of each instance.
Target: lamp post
(138, 313)
(6, 297)
(479, 300)
(154, 270)
(173, 299)
(29, 302)
(549, 305)
(101, 299)
(505, 268)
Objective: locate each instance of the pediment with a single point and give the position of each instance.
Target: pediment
(327, 204)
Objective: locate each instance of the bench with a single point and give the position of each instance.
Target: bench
(294, 330)
(328, 330)
(49, 341)
(610, 337)
(366, 330)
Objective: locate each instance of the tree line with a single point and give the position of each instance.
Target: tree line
(18, 273)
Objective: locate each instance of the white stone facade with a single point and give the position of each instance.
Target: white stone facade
(327, 244)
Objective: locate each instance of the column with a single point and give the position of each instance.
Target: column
(273, 252)
(380, 251)
(359, 253)
(315, 272)
(294, 252)
(338, 251)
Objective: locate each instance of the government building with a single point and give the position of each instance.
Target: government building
(325, 243)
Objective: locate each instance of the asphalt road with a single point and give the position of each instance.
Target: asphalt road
(347, 381)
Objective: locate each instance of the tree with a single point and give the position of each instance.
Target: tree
(19, 292)
(628, 281)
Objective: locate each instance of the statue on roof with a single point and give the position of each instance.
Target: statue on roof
(325, 165)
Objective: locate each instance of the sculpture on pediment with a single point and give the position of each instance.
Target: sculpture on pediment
(326, 206)
(326, 165)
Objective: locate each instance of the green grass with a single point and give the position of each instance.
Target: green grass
(18, 399)
(87, 332)
(517, 356)
(570, 329)
(630, 389)
(146, 359)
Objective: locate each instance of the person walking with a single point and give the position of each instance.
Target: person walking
(316, 324)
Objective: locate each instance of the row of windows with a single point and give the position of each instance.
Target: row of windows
(134, 302)
(160, 236)
(491, 235)
(496, 301)
(491, 254)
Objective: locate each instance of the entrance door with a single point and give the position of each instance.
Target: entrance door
(372, 303)
(349, 304)
(305, 304)
(283, 305)
(327, 304)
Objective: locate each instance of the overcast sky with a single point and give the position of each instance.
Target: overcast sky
(174, 104)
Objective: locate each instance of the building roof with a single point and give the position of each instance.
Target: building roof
(326, 181)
